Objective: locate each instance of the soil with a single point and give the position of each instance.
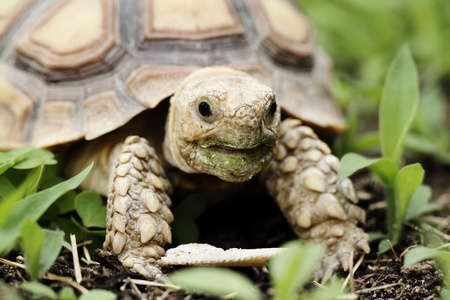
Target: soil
(223, 225)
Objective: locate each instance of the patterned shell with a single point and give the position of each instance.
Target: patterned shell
(74, 69)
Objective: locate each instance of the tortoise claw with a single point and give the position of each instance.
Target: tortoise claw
(364, 245)
(329, 271)
(345, 262)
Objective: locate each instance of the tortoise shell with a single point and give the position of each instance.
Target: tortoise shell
(75, 69)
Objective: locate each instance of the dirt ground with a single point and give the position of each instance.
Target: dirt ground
(258, 223)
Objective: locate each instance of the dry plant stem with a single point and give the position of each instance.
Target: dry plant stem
(392, 248)
(49, 276)
(66, 280)
(76, 262)
(363, 291)
(152, 283)
(352, 273)
(347, 297)
(12, 263)
(87, 256)
(135, 289)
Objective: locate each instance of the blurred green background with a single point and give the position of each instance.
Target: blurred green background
(362, 38)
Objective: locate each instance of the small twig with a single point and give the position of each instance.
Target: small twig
(152, 283)
(353, 271)
(78, 245)
(66, 280)
(76, 262)
(443, 246)
(392, 248)
(407, 250)
(134, 287)
(347, 297)
(318, 284)
(230, 296)
(364, 291)
(377, 261)
(87, 258)
(12, 263)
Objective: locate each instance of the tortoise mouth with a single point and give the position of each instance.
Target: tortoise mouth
(234, 163)
(237, 150)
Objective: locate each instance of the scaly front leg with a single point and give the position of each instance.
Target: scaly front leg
(303, 180)
(138, 214)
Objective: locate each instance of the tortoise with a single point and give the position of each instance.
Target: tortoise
(224, 88)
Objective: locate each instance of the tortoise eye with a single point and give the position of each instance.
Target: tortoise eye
(205, 109)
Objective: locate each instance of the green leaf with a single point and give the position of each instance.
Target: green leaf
(215, 281)
(34, 206)
(91, 210)
(420, 143)
(6, 187)
(39, 290)
(53, 242)
(384, 246)
(7, 205)
(374, 236)
(98, 294)
(35, 158)
(67, 293)
(32, 241)
(7, 160)
(291, 269)
(386, 169)
(419, 205)
(407, 181)
(418, 254)
(7, 293)
(352, 162)
(366, 141)
(34, 179)
(332, 290)
(399, 104)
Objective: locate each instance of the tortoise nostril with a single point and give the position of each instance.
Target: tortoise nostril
(273, 109)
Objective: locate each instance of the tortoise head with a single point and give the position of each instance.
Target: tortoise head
(222, 122)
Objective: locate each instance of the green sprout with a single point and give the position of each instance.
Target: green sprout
(403, 187)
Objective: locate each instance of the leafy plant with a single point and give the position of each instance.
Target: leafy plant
(289, 271)
(22, 205)
(216, 281)
(397, 109)
(362, 53)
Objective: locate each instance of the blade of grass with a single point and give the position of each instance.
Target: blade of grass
(399, 103)
(32, 242)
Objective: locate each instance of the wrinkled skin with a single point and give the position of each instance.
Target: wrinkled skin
(225, 123)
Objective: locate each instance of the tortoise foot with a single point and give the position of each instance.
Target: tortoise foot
(138, 214)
